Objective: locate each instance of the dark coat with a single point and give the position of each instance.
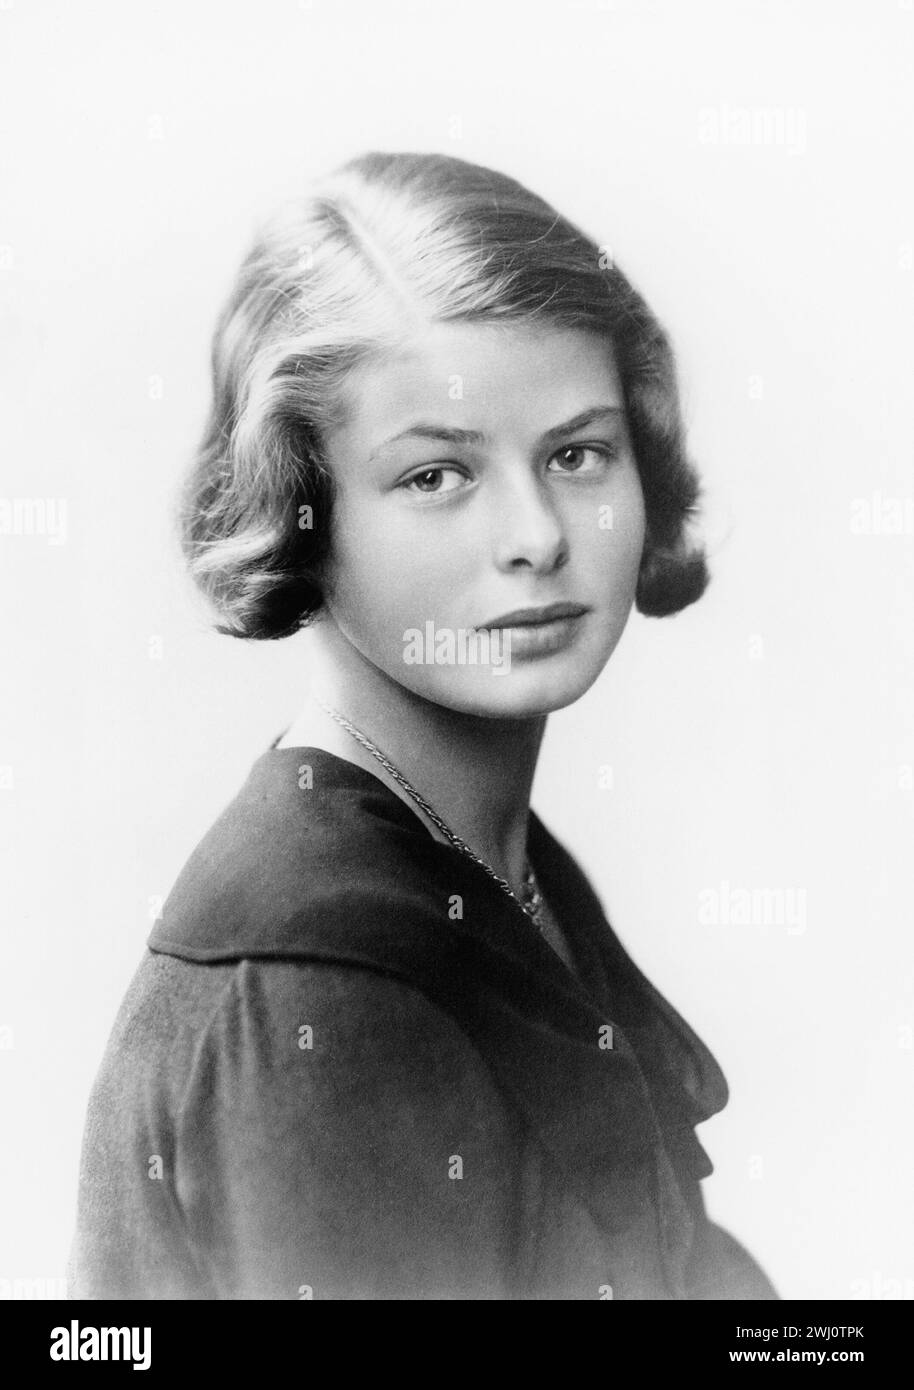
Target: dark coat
(324, 1081)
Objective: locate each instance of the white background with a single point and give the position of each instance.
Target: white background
(761, 739)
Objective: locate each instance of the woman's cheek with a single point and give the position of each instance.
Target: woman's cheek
(628, 525)
(424, 567)
(378, 590)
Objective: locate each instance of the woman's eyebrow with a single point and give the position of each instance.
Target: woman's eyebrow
(452, 435)
(581, 421)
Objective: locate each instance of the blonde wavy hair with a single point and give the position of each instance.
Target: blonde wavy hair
(385, 244)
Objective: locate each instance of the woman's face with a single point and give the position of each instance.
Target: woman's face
(485, 469)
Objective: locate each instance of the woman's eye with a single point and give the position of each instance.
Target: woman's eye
(582, 458)
(430, 481)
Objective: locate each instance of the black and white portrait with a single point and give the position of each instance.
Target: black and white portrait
(457, 766)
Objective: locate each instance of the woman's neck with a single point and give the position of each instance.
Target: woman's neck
(476, 773)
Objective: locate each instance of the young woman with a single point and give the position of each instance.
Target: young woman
(384, 1042)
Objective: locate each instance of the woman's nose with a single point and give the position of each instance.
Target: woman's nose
(527, 527)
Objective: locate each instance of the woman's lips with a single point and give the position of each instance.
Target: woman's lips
(521, 617)
(530, 639)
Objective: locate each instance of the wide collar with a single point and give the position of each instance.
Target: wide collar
(317, 859)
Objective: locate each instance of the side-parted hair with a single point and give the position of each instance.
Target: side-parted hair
(386, 243)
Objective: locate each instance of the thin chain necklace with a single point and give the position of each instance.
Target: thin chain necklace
(532, 902)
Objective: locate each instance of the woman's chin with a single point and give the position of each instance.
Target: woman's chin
(525, 691)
